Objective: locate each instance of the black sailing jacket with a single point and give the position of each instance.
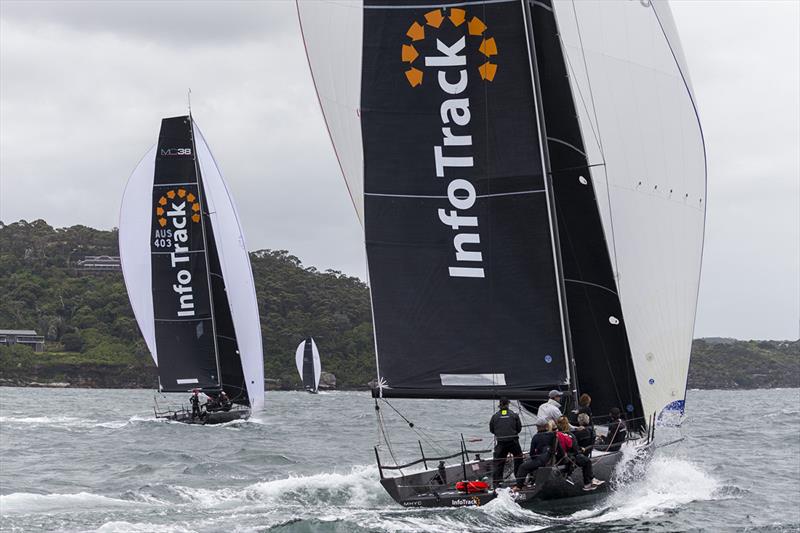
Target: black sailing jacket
(505, 425)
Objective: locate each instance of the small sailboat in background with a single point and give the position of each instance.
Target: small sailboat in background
(530, 176)
(307, 360)
(189, 278)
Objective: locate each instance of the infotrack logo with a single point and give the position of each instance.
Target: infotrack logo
(180, 202)
(435, 20)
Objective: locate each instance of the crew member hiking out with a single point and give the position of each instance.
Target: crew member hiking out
(505, 425)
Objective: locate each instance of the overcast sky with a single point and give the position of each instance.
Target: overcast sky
(84, 85)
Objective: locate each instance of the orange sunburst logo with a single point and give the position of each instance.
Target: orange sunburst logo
(181, 195)
(457, 17)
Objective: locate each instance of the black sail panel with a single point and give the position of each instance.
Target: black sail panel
(599, 340)
(309, 382)
(184, 330)
(459, 245)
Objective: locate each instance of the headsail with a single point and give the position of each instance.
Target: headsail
(599, 341)
(308, 364)
(646, 154)
(179, 240)
(243, 369)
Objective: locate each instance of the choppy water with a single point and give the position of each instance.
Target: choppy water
(96, 460)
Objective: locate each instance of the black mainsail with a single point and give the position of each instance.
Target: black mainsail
(459, 243)
(182, 296)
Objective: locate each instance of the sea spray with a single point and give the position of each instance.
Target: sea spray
(664, 483)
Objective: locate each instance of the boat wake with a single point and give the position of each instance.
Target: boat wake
(354, 500)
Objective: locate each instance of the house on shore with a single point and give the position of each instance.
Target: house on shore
(28, 337)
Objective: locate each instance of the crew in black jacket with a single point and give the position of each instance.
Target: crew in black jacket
(505, 425)
(617, 433)
(541, 450)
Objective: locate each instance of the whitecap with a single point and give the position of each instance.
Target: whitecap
(136, 527)
(26, 502)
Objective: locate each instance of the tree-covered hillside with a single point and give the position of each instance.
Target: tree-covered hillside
(731, 364)
(87, 319)
(92, 338)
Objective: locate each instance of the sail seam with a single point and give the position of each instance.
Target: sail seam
(187, 252)
(532, 191)
(181, 319)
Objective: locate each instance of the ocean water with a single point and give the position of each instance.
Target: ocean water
(97, 460)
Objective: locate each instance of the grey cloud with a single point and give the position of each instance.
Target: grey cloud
(179, 23)
(83, 87)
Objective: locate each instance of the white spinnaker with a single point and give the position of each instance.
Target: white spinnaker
(317, 367)
(298, 357)
(332, 32)
(235, 263)
(134, 245)
(640, 127)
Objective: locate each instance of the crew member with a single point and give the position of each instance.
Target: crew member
(571, 454)
(505, 425)
(584, 407)
(194, 399)
(551, 410)
(541, 450)
(584, 434)
(224, 401)
(617, 432)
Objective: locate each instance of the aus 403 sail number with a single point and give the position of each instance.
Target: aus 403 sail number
(163, 238)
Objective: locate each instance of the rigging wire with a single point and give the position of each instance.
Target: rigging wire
(418, 431)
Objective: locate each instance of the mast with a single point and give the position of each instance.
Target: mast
(551, 207)
(201, 196)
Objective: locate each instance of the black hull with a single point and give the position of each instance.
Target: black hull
(551, 486)
(211, 418)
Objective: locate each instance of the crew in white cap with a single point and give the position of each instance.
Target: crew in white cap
(551, 410)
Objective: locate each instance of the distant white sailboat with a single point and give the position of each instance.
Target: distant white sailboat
(308, 365)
